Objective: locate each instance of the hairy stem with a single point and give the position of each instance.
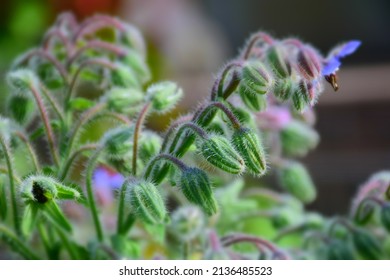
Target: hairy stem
(30, 149)
(165, 157)
(24, 250)
(53, 104)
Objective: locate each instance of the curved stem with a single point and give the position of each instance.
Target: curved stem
(217, 90)
(233, 119)
(96, 44)
(91, 198)
(172, 129)
(253, 41)
(97, 61)
(66, 166)
(47, 56)
(192, 126)
(8, 159)
(56, 33)
(166, 157)
(137, 130)
(46, 123)
(53, 103)
(30, 149)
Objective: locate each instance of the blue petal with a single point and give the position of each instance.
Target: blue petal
(348, 48)
(330, 66)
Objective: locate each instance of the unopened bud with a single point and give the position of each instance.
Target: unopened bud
(366, 245)
(118, 141)
(123, 100)
(339, 250)
(298, 139)
(255, 78)
(146, 201)
(164, 95)
(253, 102)
(136, 61)
(22, 80)
(284, 217)
(278, 61)
(22, 108)
(218, 151)
(385, 216)
(364, 212)
(124, 76)
(149, 145)
(187, 223)
(314, 221)
(249, 146)
(196, 187)
(309, 63)
(284, 88)
(294, 178)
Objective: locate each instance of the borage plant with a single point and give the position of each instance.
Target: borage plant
(68, 156)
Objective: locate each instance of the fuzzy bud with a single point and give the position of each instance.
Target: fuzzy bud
(253, 102)
(385, 216)
(5, 129)
(124, 76)
(294, 178)
(298, 138)
(22, 80)
(309, 63)
(364, 212)
(136, 62)
(187, 223)
(118, 141)
(146, 202)
(367, 246)
(149, 145)
(278, 61)
(249, 146)
(42, 189)
(218, 151)
(21, 108)
(339, 250)
(255, 78)
(314, 221)
(284, 217)
(123, 100)
(164, 96)
(284, 88)
(196, 187)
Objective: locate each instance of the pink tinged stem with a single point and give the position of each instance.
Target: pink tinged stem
(56, 33)
(253, 41)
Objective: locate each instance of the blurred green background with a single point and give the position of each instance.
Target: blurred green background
(189, 40)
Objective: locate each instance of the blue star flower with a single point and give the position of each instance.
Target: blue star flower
(333, 62)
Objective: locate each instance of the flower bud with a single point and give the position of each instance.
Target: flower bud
(364, 212)
(249, 146)
(314, 221)
(255, 78)
(149, 145)
(118, 141)
(385, 216)
(133, 38)
(124, 76)
(196, 187)
(5, 129)
(274, 118)
(22, 80)
(137, 62)
(218, 151)
(294, 178)
(187, 223)
(253, 101)
(298, 139)
(123, 100)
(284, 88)
(278, 61)
(309, 63)
(22, 108)
(366, 245)
(42, 189)
(339, 250)
(164, 96)
(284, 217)
(146, 201)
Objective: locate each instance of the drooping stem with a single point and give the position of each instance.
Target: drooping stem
(165, 157)
(218, 105)
(56, 33)
(91, 197)
(10, 169)
(97, 61)
(253, 41)
(218, 87)
(172, 128)
(66, 166)
(138, 126)
(193, 127)
(30, 149)
(46, 123)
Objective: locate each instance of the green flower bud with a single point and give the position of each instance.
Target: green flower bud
(42, 189)
(294, 178)
(5, 129)
(364, 212)
(124, 76)
(298, 138)
(123, 100)
(303, 96)
(196, 187)
(314, 221)
(339, 250)
(137, 62)
(164, 96)
(252, 101)
(149, 145)
(22, 80)
(255, 78)
(366, 245)
(146, 202)
(22, 108)
(284, 217)
(249, 146)
(278, 61)
(133, 38)
(385, 216)
(118, 141)
(284, 88)
(218, 151)
(187, 223)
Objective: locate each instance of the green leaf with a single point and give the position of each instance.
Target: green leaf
(56, 215)
(29, 219)
(80, 104)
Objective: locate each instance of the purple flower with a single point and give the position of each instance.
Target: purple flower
(105, 181)
(333, 62)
